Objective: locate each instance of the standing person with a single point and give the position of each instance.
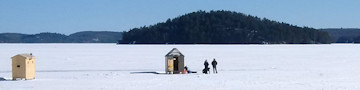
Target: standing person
(214, 63)
(206, 70)
(206, 64)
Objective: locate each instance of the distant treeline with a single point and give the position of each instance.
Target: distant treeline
(223, 27)
(79, 37)
(341, 35)
(201, 27)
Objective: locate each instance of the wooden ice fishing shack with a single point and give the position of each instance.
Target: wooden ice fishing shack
(174, 62)
(23, 66)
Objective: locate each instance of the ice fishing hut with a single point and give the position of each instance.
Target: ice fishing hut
(174, 62)
(23, 66)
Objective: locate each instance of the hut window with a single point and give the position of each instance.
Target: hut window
(18, 66)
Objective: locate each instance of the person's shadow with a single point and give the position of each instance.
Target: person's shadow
(145, 73)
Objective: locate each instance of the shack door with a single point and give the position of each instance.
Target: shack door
(176, 64)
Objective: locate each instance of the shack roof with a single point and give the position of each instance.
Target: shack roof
(174, 52)
(29, 55)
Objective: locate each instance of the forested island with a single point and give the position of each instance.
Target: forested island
(223, 27)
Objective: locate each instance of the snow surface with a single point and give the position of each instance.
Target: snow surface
(241, 67)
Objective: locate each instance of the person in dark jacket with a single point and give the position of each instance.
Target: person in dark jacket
(206, 69)
(206, 64)
(214, 63)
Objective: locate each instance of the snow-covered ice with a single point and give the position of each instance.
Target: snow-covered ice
(241, 67)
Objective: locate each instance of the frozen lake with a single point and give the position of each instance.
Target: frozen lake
(241, 67)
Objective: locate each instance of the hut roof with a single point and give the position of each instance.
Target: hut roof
(174, 52)
(26, 55)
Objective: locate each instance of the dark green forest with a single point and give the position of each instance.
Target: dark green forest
(357, 39)
(223, 27)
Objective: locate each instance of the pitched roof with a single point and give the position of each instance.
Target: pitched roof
(26, 55)
(174, 52)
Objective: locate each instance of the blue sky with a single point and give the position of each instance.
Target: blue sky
(69, 16)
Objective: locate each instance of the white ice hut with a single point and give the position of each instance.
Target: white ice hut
(174, 62)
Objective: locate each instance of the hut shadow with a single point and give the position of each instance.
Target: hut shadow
(3, 79)
(146, 73)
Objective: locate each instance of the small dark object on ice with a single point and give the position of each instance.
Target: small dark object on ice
(206, 70)
(191, 71)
